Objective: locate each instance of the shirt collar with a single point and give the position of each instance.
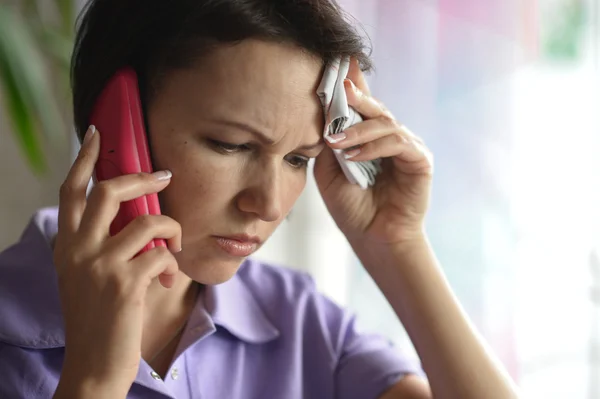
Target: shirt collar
(234, 307)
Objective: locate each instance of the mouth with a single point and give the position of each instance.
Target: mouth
(241, 245)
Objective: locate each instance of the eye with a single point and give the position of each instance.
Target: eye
(297, 161)
(228, 147)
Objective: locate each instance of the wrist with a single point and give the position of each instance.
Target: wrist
(373, 253)
(74, 385)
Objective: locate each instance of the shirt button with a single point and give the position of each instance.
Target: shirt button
(174, 373)
(155, 375)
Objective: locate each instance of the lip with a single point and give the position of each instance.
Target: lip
(243, 238)
(239, 245)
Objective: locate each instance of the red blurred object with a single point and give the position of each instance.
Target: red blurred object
(124, 149)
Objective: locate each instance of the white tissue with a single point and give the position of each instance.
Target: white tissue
(339, 116)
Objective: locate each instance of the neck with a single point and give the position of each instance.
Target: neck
(170, 301)
(165, 315)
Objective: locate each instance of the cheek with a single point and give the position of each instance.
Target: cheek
(292, 190)
(198, 179)
(202, 181)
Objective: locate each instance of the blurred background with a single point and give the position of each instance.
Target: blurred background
(507, 95)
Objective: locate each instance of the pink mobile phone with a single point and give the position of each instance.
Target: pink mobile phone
(124, 148)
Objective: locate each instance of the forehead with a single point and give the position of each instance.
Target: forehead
(271, 85)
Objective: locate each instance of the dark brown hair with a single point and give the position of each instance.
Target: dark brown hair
(155, 36)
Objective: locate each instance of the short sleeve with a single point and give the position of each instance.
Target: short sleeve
(367, 364)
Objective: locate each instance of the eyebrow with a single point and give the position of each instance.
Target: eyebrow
(260, 135)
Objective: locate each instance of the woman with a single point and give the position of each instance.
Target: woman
(228, 88)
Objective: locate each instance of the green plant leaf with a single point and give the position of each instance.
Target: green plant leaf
(66, 9)
(27, 87)
(22, 121)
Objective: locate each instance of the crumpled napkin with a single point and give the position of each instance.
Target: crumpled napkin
(339, 116)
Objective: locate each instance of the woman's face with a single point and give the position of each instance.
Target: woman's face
(237, 131)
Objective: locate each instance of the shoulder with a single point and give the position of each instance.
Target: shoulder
(284, 291)
(292, 301)
(324, 333)
(28, 287)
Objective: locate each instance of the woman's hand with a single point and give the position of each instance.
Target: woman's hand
(389, 217)
(102, 284)
(393, 210)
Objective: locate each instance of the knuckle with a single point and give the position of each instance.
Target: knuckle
(146, 222)
(101, 268)
(400, 139)
(169, 224)
(389, 121)
(103, 191)
(366, 148)
(66, 191)
(68, 263)
(97, 270)
(146, 177)
(354, 132)
(106, 270)
(72, 258)
(165, 257)
(119, 285)
(163, 254)
(178, 227)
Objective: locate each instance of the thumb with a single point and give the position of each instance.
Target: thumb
(326, 170)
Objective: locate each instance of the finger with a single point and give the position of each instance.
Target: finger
(363, 103)
(358, 77)
(363, 132)
(409, 155)
(106, 197)
(326, 170)
(151, 264)
(137, 234)
(73, 190)
(370, 130)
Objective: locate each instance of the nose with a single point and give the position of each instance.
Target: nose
(262, 195)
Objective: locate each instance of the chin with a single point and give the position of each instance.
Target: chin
(212, 271)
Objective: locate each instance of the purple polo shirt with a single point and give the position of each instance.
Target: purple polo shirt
(265, 333)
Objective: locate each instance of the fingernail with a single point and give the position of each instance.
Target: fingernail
(335, 138)
(351, 153)
(88, 135)
(162, 175)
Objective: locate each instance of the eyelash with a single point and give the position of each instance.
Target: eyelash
(299, 162)
(229, 148)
